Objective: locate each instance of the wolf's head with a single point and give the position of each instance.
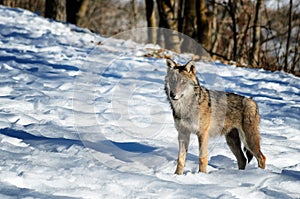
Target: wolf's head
(180, 80)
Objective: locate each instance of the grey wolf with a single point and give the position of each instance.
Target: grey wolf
(210, 113)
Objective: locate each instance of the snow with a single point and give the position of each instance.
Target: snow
(81, 120)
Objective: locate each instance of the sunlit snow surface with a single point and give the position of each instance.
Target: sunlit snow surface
(81, 120)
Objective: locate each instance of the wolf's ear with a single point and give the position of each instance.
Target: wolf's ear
(170, 63)
(191, 67)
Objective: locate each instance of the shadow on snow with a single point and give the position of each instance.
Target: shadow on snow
(132, 147)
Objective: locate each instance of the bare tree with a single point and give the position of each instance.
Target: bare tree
(189, 19)
(202, 24)
(232, 6)
(244, 23)
(214, 30)
(248, 32)
(168, 20)
(295, 40)
(56, 9)
(9, 3)
(76, 10)
(134, 13)
(81, 19)
(288, 40)
(151, 21)
(255, 53)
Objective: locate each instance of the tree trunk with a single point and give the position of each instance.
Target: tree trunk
(151, 21)
(168, 20)
(82, 21)
(295, 68)
(232, 12)
(190, 19)
(166, 14)
(8, 3)
(56, 9)
(214, 31)
(242, 41)
(134, 14)
(295, 61)
(202, 24)
(73, 7)
(180, 14)
(287, 51)
(255, 54)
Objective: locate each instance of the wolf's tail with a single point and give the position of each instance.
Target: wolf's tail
(251, 136)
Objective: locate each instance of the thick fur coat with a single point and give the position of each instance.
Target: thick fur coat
(210, 113)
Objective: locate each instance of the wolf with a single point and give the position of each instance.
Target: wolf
(209, 113)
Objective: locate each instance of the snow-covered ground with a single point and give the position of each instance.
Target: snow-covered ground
(81, 120)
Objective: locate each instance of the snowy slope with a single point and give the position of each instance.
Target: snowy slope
(81, 120)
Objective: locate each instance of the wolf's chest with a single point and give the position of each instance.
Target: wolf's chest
(186, 118)
(190, 125)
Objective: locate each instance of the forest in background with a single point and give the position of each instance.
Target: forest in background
(259, 34)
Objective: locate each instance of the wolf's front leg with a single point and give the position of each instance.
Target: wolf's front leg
(203, 151)
(183, 140)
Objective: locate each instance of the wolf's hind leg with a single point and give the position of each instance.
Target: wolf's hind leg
(234, 143)
(252, 143)
(261, 159)
(254, 148)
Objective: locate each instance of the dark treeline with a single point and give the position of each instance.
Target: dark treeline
(260, 34)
